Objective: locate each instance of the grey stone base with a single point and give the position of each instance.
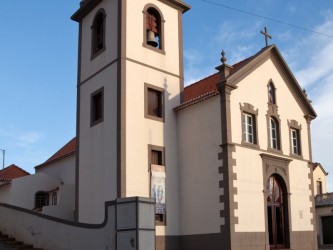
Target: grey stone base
(303, 240)
(240, 241)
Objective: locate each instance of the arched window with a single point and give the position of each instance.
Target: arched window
(274, 133)
(271, 93)
(54, 198)
(153, 32)
(41, 199)
(98, 33)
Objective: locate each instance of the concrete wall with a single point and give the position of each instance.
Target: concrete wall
(65, 203)
(63, 170)
(199, 135)
(21, 192)
(55, 234)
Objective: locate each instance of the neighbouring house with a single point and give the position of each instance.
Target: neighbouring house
(324, 207)
(11, 172)
(51, 190)
(227, 159)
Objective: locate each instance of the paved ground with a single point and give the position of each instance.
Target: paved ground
(4, 247)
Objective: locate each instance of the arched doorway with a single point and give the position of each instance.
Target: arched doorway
(277, 212)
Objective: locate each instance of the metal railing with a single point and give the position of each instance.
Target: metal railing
(324, 200)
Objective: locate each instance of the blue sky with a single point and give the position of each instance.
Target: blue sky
(38, 65)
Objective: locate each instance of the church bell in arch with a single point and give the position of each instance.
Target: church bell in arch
(151, 38)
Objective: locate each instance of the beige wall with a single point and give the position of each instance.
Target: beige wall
(89, 66)
(300, 196)
(250, 197)
(253, 89)
(199, 138)
(98, 148)
(141, 68)
(319, 175)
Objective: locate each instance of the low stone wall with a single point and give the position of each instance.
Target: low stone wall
(50, 233)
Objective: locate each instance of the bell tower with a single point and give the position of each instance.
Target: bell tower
(130, 78)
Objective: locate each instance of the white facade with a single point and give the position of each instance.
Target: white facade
(222, 189)
(113, 154)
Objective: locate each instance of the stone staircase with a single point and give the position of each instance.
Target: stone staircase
(9, 243)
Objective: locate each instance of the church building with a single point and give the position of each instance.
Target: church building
(227, 160)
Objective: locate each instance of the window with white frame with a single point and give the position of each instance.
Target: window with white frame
(249, 125)
(248, 128)
(295, 142)
(295, 138)
(274, 133)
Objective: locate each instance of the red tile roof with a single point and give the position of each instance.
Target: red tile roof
(12, 172)
(202, 87)
(65, 151)
(207, 87)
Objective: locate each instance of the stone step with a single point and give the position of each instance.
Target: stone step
(25, 246)
(13, 244)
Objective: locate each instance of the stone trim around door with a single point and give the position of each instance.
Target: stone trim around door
(278, 166)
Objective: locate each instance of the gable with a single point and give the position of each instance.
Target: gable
(207, 87)
(273, 54)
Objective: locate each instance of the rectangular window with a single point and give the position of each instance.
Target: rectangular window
(295, 142)
(273, 129)
(156, 157)
(97, 109)
(154, 100)
(248, 128)
(154, 103)
(319, 187)
(249, 125)
(157, 183)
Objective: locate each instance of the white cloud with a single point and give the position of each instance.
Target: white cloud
(314, 59)
(232, 37)
(291, 8)
(28, 139)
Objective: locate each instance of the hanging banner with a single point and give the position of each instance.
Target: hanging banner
(158, 187)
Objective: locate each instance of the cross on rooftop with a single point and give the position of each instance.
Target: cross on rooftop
(265, 33)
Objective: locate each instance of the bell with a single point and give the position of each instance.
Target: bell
(151, 38)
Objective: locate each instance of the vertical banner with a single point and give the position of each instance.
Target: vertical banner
(158, 187)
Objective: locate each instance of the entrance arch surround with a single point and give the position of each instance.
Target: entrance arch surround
(277, 167)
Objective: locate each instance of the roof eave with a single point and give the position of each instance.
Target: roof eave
(54, 160)
(178, 3)
(84, 9)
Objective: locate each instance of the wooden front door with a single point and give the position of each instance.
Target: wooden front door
(275, 214)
